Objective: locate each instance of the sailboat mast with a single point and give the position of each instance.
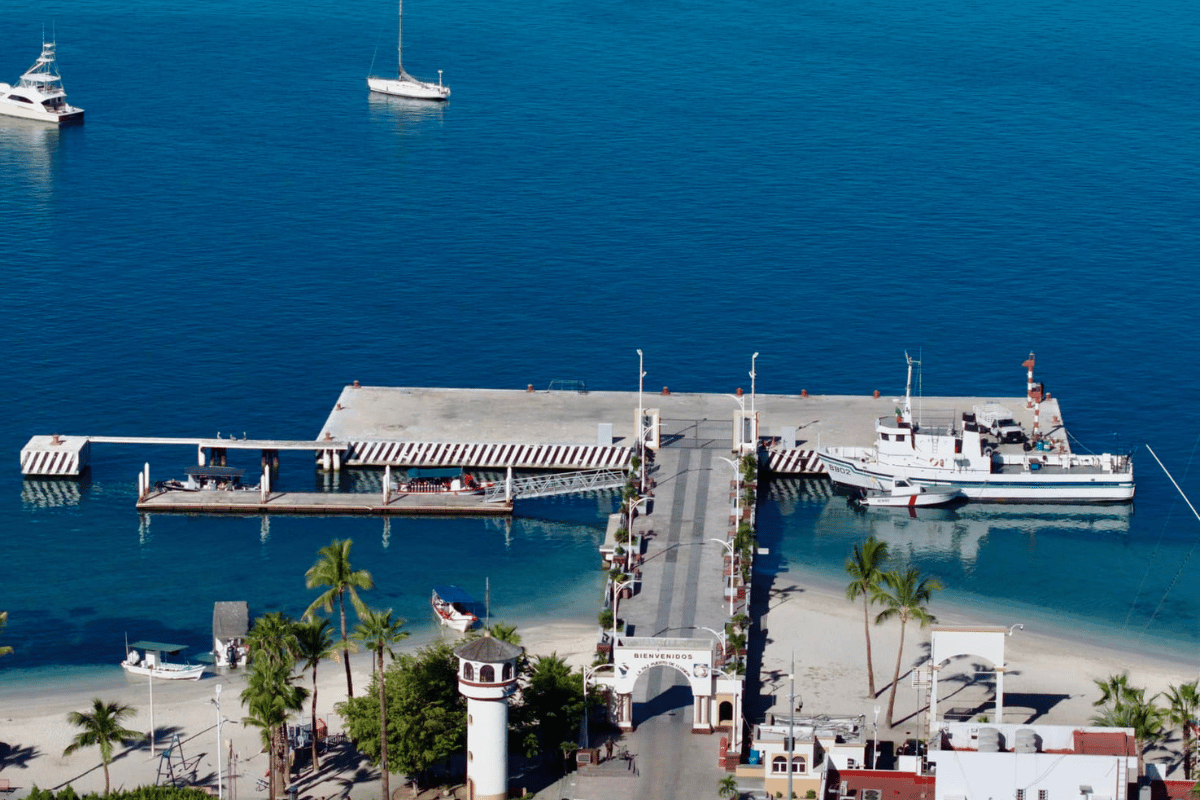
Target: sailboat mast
(400, 38)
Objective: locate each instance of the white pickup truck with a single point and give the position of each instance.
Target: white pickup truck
(998, 421)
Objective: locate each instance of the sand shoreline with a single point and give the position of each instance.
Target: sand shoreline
(1050, 678)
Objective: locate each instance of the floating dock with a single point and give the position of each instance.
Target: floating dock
(321, 503)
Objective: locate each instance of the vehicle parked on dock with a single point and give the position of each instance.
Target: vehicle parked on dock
(998, 421)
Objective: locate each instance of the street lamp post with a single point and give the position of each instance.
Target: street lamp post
(641, 416)
(719, 636)
(753, 375)
(729, 548)
(632, 506)
(617, 587)
(220, 783)
(791, 739)
(737, 488)
(875, 746)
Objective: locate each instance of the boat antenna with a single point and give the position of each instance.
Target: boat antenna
(373, 61)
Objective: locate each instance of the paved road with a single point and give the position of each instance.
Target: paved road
(681, 589)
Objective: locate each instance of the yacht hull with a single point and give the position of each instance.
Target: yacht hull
(417, 90)
(857, 469)
(11, 109)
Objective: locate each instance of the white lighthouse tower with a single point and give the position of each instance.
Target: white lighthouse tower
(487, 676)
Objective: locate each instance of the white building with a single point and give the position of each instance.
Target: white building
(487, 677)
(1032, 762)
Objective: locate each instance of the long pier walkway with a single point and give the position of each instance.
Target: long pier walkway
(681, 593)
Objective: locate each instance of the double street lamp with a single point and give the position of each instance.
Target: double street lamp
(617, 587)
(729, 548)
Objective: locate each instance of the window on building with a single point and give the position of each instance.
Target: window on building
(1020, 794)
(1043, 794)
(468, 671)
(779, 764)
(799, 764)
(507, 672)
(487, 674)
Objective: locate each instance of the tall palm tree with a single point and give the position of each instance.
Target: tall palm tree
(1130, 709)
(273, 639)
(378, 631)
(270, 696)
(333, 570)
(865, 569)
(1183, 704)
(102, 726)
(905, 595)
(314, 643)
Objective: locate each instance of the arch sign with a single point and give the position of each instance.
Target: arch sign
(637, 654)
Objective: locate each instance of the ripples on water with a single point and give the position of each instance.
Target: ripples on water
(240, 229)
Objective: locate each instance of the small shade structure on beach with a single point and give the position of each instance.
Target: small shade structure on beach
(231, 624)
(487, 677)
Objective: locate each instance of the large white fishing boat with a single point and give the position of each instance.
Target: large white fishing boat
(952, 454)
(405, 85)
(39, 94)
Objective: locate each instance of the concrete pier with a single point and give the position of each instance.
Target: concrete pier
(321, 503)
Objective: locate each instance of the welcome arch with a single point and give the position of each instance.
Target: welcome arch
(985, 641)
(693, 658)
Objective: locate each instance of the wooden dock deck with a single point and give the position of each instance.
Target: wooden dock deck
(321, 503)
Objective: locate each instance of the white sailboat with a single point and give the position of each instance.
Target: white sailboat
(405, 85)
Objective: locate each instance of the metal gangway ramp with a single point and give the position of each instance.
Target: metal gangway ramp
(553, 483)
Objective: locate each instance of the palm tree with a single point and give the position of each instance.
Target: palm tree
(101, 727)
(728, 787)
(1184, 702)
(505, 633)
(314, 643)
(378, 631)
(334, 571)
(273, 639)
(270, 696)
(865, 569)
(1126, 706)
(905, 597)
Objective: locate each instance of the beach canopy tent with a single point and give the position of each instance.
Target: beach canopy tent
(214, 472)
(453, 594)
(161, 647)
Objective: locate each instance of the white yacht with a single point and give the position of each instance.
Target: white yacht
(952, 454)
(39, 94)
(405, 85)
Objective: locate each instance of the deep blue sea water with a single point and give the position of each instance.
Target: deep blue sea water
(240, 229)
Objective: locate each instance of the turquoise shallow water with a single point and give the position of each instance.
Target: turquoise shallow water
(239, 230)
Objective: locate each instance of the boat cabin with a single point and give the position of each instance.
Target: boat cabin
(213, 478)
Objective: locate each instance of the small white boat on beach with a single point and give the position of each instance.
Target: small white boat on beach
(454, 608)
(405, 85)
(39, 94)
(904, 494)
(147, 658)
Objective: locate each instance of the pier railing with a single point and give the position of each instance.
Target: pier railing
(555, 483)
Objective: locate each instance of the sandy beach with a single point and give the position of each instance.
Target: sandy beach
(34, 729)
(1050, 680)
